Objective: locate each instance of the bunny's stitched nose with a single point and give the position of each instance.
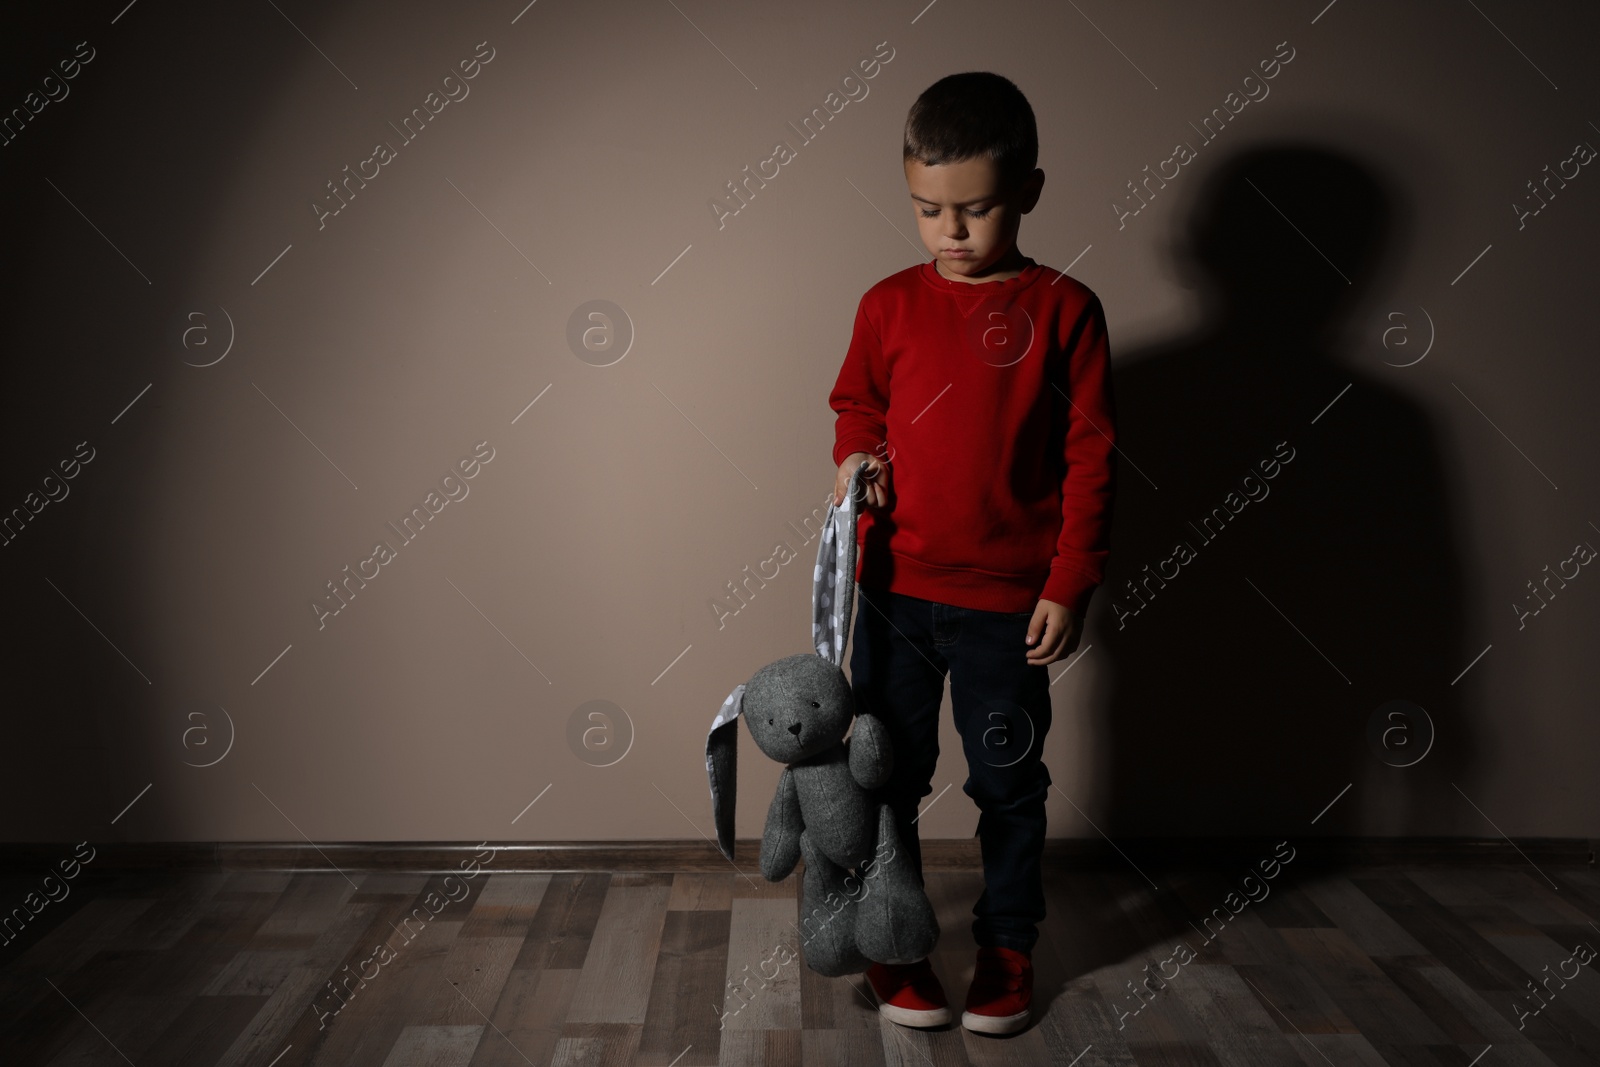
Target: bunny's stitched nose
(795, 729)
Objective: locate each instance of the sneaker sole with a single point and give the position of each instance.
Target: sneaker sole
(994, 1024)
(912, 1016)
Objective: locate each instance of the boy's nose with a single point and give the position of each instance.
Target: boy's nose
(795, 729)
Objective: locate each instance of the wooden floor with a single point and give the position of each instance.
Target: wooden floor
(1398, 965)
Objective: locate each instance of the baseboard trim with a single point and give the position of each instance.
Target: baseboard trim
(698, 856)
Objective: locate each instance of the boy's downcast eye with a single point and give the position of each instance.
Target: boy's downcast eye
(974, 214)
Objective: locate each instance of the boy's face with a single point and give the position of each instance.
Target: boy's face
(967, 221)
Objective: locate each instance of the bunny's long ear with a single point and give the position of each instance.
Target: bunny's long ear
(722, 766)
(833, 590)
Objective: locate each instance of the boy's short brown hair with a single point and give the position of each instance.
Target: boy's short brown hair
(974, 114)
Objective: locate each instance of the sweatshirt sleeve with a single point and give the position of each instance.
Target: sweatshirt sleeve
(860, 396)
(1082, 385)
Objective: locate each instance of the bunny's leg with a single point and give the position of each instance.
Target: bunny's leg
(895, 921)
(827, 916)
(780, 844)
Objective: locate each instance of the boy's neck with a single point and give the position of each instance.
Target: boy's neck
(1006, 267)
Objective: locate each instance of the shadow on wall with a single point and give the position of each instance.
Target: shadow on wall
(127, 708)
(1295, 569)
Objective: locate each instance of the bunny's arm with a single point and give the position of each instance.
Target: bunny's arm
(780, 844)
(871, 758)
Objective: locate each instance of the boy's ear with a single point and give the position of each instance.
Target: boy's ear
(722, 767)
(1027, 193)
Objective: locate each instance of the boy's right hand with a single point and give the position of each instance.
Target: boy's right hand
(874, 480)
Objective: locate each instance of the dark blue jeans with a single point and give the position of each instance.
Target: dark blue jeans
(904, 647)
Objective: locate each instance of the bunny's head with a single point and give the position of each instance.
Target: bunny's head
(801, 705)
(798, 707)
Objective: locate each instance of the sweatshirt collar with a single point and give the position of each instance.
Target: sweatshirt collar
(1031, 271)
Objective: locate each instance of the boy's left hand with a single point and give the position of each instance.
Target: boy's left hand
(1053, 633)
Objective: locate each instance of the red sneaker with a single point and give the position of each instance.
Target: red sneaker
(909, 993)
(1002, 989)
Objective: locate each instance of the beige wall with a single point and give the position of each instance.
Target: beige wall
(177, 579)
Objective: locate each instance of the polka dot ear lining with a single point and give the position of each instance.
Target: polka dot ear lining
(834, 580)
(722, 751)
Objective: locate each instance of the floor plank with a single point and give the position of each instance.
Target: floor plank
(267, 1034)
(434, 1046)
(1368, 926)
(762, 989)
(702, 892)
(615, 984)
(686, 997)
(1419, 966)
(526, 1024)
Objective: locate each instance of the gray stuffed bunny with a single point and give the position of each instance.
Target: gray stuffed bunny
(798, 709)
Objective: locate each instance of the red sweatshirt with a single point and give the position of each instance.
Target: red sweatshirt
(992, 404)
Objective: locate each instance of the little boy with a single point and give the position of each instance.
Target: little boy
(977, 389)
